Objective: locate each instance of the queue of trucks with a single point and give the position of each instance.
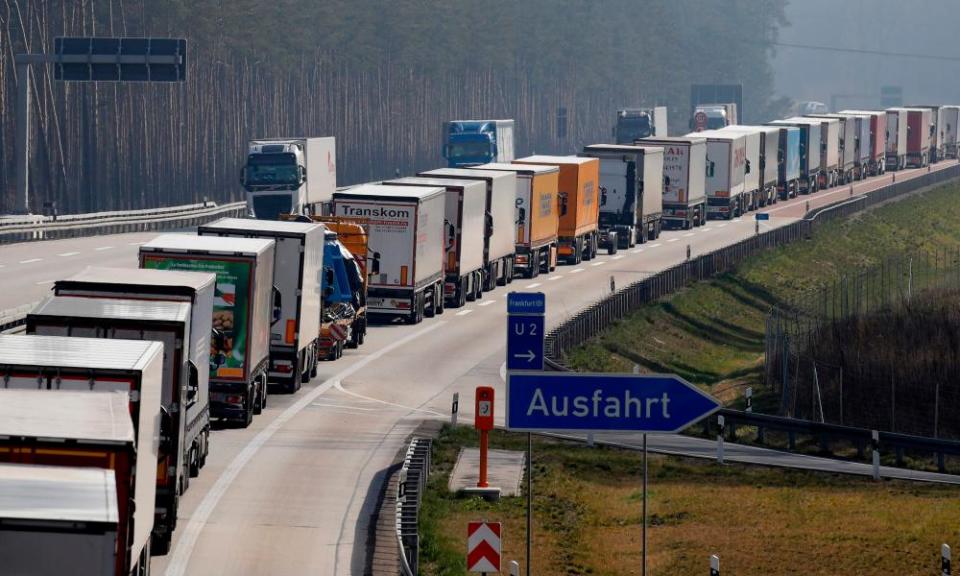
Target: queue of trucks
(108, 398)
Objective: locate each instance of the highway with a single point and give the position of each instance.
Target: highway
(292, 494)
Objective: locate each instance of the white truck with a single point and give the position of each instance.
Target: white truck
(242, 309)
(726, 169)
(951, 117)
(752, 184)
(298, 271)
(499, 240)
(631, 193)
(407, 230)
(41, 430)
(767, 169)
(636, 123)
(896, 157)
(716, 115)
(168, 322)
(684, 177)
(847, 144)
(289, 176)
(465, 220)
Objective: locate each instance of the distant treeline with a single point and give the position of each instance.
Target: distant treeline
(380, 75)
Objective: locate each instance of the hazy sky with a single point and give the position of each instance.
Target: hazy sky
(901, 26)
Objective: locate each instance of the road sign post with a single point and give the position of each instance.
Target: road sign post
(483, 547)
(714, 565)
(483, 421)
(944, 560)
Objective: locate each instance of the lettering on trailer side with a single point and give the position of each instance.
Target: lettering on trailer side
(374, 212)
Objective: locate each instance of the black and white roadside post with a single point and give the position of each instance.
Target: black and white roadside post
(454, 408)
(688, 251)
(944, 560)
(875, 449)
(714, 565)
(526, 313)
(720, 431)
(514, 568)
(749, 396)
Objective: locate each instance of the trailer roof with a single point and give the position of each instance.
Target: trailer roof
(445, 182)
(718, 135)
(670, 140)
(750, 128)
(519, 168)
(58, 494)
(554, 160)
(624, 148)
(139, 277)
(190, 243)
(466, 173)
(267, 227)
(112, 309)
(78, 415)
(393, 192)
(82, 353)
(863, 112)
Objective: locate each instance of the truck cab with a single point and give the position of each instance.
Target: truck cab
(718, 115)
(475, 142)
(344, 299)
(636, 123)
(272, 175)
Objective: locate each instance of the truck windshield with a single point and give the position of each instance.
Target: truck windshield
(716, 122)
(630, 129)
(473, 150)
(272, 170)
(272, 206)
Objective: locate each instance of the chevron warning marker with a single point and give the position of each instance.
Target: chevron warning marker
(483, 547)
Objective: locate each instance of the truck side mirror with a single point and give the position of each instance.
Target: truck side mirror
(562, 201)
(277, 304)
(522, 217)
(166, 425)
(451, 235)
(243, 175)
(303, 174)
(747, 169)
(328, 280)
(193, 383)
(488, 222)
(603, 196)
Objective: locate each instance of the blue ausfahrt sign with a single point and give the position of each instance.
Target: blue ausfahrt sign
(572, 402)
(526, 303)
(763, 216)
(525, 342)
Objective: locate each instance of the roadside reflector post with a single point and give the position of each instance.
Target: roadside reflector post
(714, 565)
(483, 421)
(749, 395)
(944, 560)
(808, 206)
(720, 431)
(590, 439)
(514, 568)
(613, 284)
(688, 248)
(875, 448)
(454, 408)
(756, 227)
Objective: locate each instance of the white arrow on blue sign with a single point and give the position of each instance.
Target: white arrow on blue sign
(572, 402)
(525, 342)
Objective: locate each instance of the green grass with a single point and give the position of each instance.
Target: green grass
(760, 520)
(712, 332)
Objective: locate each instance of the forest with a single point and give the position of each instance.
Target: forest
(379, 75)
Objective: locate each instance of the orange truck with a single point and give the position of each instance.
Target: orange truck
(578, 233)
(537, 216)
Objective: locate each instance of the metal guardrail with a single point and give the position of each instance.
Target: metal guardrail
(410, 489)
(34, 228)
(15, 319)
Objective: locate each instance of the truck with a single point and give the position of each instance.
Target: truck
(768, 167)
(166, 322)
(298, 300)
(348, 256)
(831, 167)
(951, 117)
(726, 170)
(631, 193)
(465, 219)
(717, 116)
(937, 131)
(876, 149)
(578, 235)
(85, 402)
(499, 241)
(58, 520)
(896, 156)
(809, 181)
(636, 123)
(846, 143)
(243, 306)
(788, 163)
(536, 216)
(289, 176)
(684, 178)
(407, 231)
(752, 177)
(918, 137)
(474, 142)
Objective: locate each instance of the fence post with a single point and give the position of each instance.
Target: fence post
(875, 447)
(720, 425)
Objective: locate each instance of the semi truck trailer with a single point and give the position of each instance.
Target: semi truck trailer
(44, 420)
(951, 117)
(289, 176)
(767, 170)
(752, 178)
(407, 231)
(831, 173)
(631, 193)
(537, 216)
(298, 301)
(499, 240)
(243, 306)
(918, 137)
(726, 169)
(937, 131)
(578, 235)
(788, 161)
(56, 520)
(636, 123)
(475, 142)
(464, 219)
(846, 144)
(684, 173)
(876, 145)
(896, 156)
(809, 152)
(167, 322)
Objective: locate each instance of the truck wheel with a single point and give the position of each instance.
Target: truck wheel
(479, 294)
(160, 543)
(194, 461)
(205, 450)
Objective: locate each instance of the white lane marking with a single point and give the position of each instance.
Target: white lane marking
(688, 234)
(180, 556)
(42, 282)
(534, 285)
(576, 270)
(102, 248)
(637, 251)
(135, 243)
(657, 245)
(721, 225)
(672, 239)
(31, 260)
(339, 386)
(67, 254)
(601, 263)
(487, 303)
(464, 312)
(343, 407)
(706, 229)
(503, 371)
(552, 278)
(737, 219)
(617, 257)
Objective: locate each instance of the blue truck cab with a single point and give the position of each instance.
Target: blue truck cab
(474, 142)
(342, 280)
